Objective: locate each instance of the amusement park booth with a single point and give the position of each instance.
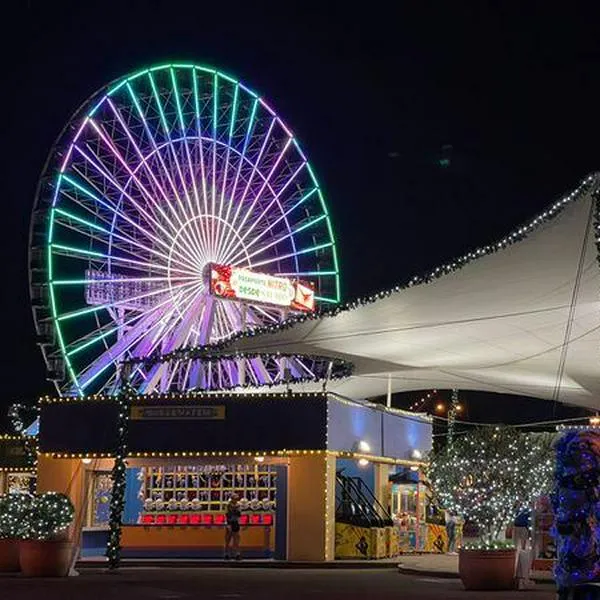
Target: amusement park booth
(291, 457)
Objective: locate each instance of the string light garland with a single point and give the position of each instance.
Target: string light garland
(44, 400)
(418, 404)
(119, 475)
(489, 475)
(452, 416)
(15, 414)
(316, 367)
(591, 182)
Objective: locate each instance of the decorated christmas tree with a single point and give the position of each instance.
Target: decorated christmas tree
(490, 474)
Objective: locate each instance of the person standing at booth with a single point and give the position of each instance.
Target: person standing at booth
(451, 521)
(232, 529)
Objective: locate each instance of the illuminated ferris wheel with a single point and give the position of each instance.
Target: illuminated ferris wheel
(176, 209)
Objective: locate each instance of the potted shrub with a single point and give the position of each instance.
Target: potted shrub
(13, 509)
(46, 550)
(488, 476)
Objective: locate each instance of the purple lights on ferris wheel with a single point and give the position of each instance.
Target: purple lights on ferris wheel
(175, 168)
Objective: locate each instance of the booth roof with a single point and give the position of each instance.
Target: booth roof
(519, 317)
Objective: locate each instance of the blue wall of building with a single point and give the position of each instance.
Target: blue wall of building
(388, 434)
(351, 468)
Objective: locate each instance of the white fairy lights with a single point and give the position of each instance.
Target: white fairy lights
(489, 475)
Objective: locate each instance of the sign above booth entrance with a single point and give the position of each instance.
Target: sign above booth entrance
(177, 413)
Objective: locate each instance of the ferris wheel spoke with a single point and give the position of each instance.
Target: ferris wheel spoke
(121, 347)
(243, 158)
(278, 240)
(199, 133)
(144, 162)
(253, 171)
(265, 315)
(114, 210)
(62, 282)
(199, 225)
(73, 251)
(129, 241)
(149, 197)
(258, 197)
(106, 240)
(213, 178)
(269, 206)
(180, 366)
(255, 165)
(109, 328)
(117, 350)
(165, 171)
(226, 167)
(178, 333)
(157, 226)
(294, 254)
(173, 153)
(282, 217)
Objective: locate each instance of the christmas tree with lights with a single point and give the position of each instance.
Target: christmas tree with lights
(490, 474)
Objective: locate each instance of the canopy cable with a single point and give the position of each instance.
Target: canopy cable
(572, 308)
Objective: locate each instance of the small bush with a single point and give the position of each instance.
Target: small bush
(14, 511)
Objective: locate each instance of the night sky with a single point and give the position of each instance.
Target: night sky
(380, 98)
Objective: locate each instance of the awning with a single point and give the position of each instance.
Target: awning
(519, 317)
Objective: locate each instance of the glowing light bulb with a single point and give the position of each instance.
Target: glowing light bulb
(364, 446)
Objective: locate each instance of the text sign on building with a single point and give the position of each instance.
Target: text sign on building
(177, 413)
(235, 283)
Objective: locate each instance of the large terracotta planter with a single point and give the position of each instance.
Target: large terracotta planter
(9, 556)
(487, 569)
(49, 558)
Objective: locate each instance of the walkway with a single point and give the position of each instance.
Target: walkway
(251, 584)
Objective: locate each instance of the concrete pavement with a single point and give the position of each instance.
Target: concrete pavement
(251, 584)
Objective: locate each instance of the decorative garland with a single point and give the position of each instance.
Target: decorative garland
(15, 415)
(516, 236)
(187, 395)
(323, 368)
(119, 477)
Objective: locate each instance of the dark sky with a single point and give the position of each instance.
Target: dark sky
(373, 93)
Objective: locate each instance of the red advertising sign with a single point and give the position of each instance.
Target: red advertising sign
(235, 283)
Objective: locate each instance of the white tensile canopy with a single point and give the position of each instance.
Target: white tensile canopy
(521, 319)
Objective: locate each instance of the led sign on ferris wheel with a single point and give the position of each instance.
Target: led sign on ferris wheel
(237, 283)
